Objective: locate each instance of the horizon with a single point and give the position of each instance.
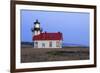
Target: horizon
(64, 44)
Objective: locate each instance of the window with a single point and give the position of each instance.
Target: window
(57, 44)
(50, 44)
(43, 45)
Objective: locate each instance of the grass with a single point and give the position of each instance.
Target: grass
(65, 53)
(30, 54)
(55, 53)
(60, 53)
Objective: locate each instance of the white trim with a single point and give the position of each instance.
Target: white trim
(59, 63)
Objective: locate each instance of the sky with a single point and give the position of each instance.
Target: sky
(73, 25)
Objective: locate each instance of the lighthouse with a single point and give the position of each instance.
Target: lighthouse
(45, 39)
(37, 29)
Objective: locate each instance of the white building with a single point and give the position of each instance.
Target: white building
(45, 39)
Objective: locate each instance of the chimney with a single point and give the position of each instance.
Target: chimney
(45, 32)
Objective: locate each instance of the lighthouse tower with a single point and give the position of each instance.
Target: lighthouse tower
(36, 30)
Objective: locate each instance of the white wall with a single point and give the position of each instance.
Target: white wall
(5, 37)
(47, 43)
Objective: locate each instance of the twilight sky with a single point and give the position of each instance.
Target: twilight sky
(74, 26)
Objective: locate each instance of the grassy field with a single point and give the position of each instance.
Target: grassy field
(30, 54)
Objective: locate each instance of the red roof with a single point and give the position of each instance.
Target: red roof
(48, 36)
